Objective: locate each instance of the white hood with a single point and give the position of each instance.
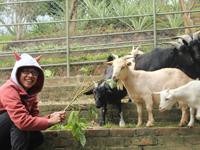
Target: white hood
(26, 60)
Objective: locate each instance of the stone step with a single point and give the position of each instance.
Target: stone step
(59, 93)
(156, 138)
(65, 88)
(57, 81)
(129, 111)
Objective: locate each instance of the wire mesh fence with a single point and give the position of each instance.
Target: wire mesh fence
(68, 31)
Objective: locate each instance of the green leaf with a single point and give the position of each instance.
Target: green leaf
(111, 83)
(77, 126)
(82, 139)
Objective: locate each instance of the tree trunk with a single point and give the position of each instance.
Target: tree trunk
(73, 15)
(186, 16)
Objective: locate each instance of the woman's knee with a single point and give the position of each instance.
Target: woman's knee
(5, 125)
(5, 120)
(36, 138)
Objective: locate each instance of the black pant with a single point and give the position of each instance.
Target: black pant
(12, 138)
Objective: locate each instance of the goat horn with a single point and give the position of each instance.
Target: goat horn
(176, 44)
(115, 56)
(180, 41)
(196, 35)
(186, 38)
(134, 50)
(95, 84)
(109, 62)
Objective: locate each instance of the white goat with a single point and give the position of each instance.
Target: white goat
(140, 86)
(188, 93)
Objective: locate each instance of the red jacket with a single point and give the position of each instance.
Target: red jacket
(22, 108)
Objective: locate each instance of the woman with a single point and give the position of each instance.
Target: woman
(20, 123)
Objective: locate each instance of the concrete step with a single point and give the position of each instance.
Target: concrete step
(73, 80)
(57, 81)
(129, 111)
(64, 88)
(60, 93)
(156, 138)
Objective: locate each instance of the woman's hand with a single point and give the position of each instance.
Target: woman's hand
(56, 117)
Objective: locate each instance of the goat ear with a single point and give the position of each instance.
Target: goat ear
(89, 92)
(38, 58)
(128, 63)
(109, 63)
(17, 56)
(196, 35)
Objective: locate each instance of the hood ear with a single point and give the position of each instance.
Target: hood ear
(17, 56)
(38, 58)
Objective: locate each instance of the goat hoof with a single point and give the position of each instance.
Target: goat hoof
(181, 124)
(190, 126)
(149, 124)
(122, 124)
(138, 125)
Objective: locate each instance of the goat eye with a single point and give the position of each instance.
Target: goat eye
(122, 67)
(166, 99)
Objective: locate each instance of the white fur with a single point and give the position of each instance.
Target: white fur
(188, 93)
(140, 85)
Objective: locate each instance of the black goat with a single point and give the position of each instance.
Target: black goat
(105, 94)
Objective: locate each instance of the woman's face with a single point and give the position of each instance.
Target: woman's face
(28, 77)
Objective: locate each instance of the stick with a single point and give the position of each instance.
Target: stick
(76, 96)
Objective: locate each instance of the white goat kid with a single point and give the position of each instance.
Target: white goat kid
(188, 93)
(140, 86)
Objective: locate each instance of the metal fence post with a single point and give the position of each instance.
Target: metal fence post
(154, 24)
(67, 35)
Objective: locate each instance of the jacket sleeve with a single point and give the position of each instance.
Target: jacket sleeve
(18, 114)
(35, 109)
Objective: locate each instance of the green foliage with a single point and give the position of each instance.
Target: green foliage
(97, 9)
(77, 125)
(48, 73)
(173, 20)
(7, 62)
(86, 70)
(128, 8)
(92, 113)
(55, 8)
(94, 9)
(6, 37)
(111, 83)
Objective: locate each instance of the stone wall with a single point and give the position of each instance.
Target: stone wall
(129, 112)
(172, 138)
(166, 135)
